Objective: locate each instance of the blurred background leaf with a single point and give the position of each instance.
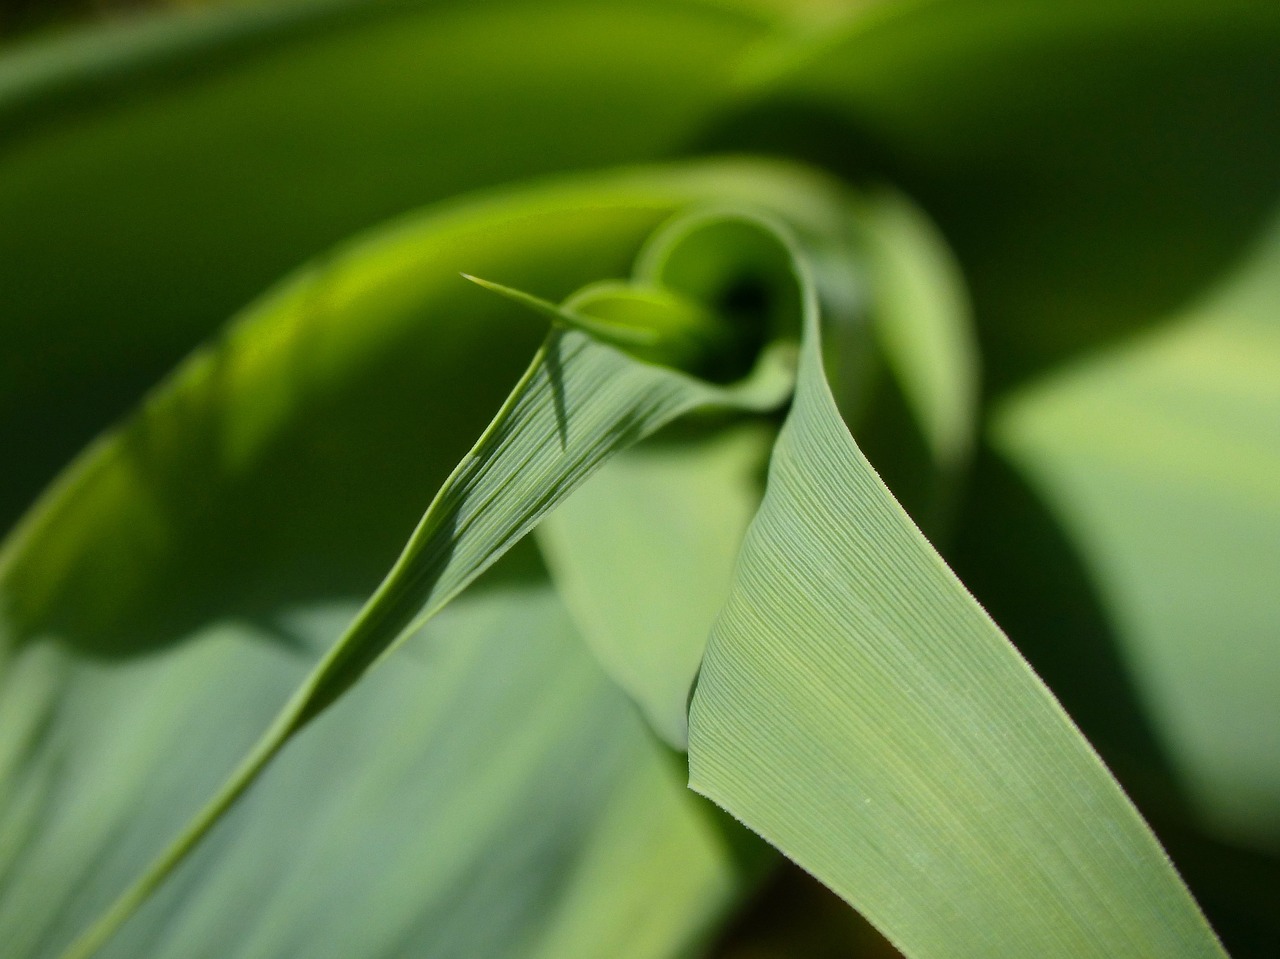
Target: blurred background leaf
(183, 173)
(1093, 164)
(1160, 459)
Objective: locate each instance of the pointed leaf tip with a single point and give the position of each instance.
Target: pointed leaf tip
(616, 335)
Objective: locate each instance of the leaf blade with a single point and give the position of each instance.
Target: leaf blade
(859, 710)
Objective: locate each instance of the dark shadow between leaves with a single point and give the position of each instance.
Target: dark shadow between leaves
(1083, 203)
(555, 376)
(315, 512)
(793, 916)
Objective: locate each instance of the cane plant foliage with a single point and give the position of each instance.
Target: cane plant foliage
(540, 479)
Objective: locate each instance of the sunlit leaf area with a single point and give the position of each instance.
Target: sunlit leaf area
(639, 479)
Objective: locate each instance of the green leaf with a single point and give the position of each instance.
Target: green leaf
(860, 711)
(620, 335)
(324, 385)
(157, 175)
(643, 555)
(577, 404)
(1159, 458)
(431, 813)
(580, 402)
(279, 471)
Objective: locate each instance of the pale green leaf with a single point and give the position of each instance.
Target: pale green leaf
(860, 711)
(1161, 458)
(429, 813)
(644, 556)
